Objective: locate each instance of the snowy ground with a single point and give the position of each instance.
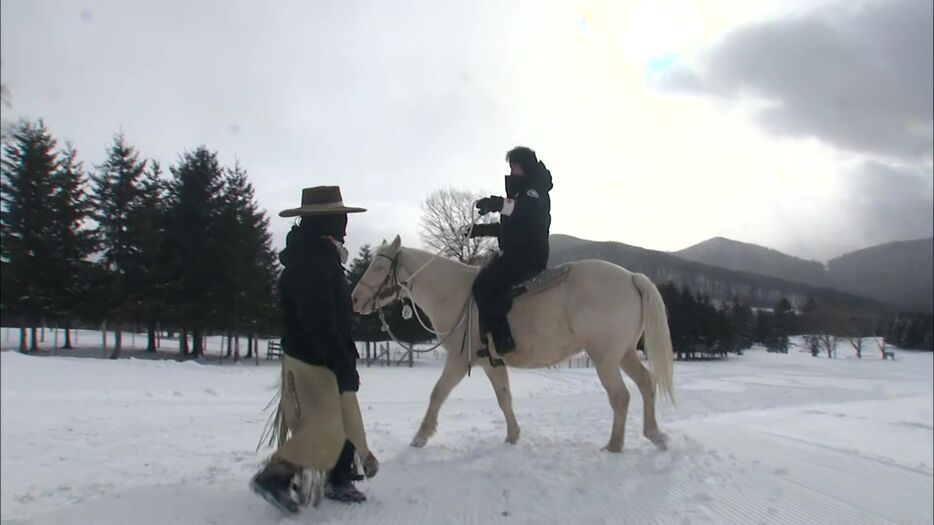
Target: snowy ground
(761, 438)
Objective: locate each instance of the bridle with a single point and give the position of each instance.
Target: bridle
(391, 286)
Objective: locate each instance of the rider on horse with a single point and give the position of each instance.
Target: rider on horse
(525, 220)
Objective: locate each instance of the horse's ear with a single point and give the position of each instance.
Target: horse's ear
(396, 243)
(383, 243)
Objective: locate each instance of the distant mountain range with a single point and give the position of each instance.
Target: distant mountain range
(899, 273)
(896, 273)
(735, 255)
(885, 277)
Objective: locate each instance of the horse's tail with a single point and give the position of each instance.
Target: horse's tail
(657, 336)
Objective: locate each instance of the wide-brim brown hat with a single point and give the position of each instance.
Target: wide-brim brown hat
(321, 200)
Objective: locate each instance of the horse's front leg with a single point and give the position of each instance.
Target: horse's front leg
(499, 377)
(454, 371)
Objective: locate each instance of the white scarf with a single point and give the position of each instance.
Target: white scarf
(345, 255)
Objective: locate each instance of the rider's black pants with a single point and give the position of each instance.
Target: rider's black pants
(493, 285)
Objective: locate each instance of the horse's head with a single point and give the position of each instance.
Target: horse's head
(379, 286)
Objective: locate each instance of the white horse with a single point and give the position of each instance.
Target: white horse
(599, 308)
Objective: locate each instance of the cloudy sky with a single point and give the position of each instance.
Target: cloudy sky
(801, 125)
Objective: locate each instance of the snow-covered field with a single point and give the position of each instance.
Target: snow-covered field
(761, 438)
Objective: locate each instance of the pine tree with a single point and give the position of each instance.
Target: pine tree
(726, 340)
(195, 243)
(150, 291)
(673, 304)
(743, 324)
(763, 326)
(707, 322)
(72, 243)
(29, 166)
(251, 266)
(783, 325)
(117, 196)
(5, 101)
(360, 264)
(911, 330)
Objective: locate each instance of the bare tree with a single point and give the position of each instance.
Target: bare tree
(880, 342)
(813, 344)
(855, 330)
(446, 214)
(857, 343)
(829, 342)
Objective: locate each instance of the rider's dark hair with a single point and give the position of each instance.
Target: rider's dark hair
(524, 157)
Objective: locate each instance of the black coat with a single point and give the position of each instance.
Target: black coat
(523, 234)
(316, 307)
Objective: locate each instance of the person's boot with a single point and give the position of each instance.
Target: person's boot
(273, 484)
(340, 485)
(502, 339)
(484, 349)
(344, 492)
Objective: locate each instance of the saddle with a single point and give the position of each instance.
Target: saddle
(549, 278)
(534, 284)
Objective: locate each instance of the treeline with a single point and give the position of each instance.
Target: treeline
(126, 245)
(911, 330)
(704, 328)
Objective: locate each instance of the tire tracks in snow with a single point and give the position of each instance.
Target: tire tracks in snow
(828, 485)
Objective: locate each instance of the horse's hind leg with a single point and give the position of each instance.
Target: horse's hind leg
(454, 371)
(499, 377)
(644, 380)
(618, 395)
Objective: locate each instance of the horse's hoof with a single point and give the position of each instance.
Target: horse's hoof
(512, 440)
(659, 439)
(615, 449)
(418, 442)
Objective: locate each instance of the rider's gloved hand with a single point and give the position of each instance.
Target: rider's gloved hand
(484, 230)
(490, 204)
